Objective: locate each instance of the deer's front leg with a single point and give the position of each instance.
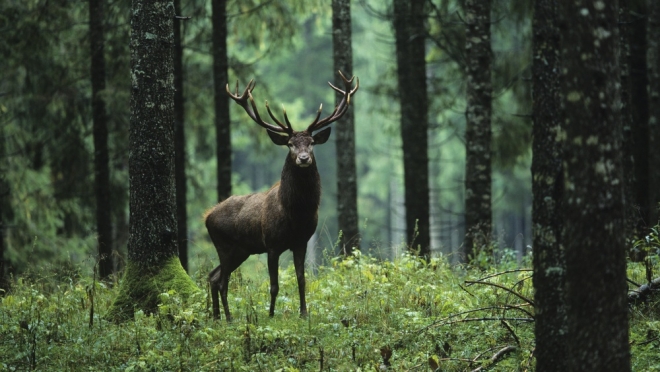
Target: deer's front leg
(273, 261)
(299, 263)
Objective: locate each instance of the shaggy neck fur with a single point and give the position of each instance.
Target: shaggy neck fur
(300, 188)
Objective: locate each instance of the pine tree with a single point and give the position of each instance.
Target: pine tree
(345, 131)
(547, 188)
(478, 133)
(409, 27)
(593, 205)
(153, 264)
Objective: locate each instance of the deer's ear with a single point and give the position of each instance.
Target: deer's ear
(277, 139)
(321, 137)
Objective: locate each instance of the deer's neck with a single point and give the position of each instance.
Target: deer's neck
(300, 188)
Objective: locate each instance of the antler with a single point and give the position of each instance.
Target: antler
(340, 109)
(251, 109)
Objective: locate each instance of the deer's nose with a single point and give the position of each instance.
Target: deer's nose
(304, 158)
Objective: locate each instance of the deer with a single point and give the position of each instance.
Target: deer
(285, 216)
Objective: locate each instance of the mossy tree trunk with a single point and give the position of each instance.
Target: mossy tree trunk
(180, 141)
(593, 206)
(478, 133)
(153, 265)
(547, 187)
(410, 35)
(342, 52)
(220, 80)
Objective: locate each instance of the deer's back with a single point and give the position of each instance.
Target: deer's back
(257, 223)
(236, 222)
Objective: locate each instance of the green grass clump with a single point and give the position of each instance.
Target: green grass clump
(364, 314)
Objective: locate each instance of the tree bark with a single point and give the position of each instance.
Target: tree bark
(478, 134)
(5, 210)
(342, 52)
(548, 259)
(153, 265)
(653, 57)
(593, 206)
(628, 148)
(100, 133)
(640, 113)
(410, 33)
(220, 80)
(180, 142)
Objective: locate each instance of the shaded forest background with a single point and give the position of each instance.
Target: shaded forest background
(460, 73)
(47, 149)
(48, 205)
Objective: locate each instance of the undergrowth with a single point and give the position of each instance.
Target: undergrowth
(364, 314)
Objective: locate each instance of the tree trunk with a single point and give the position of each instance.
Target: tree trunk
(5, 210)
(410, 32)
(345, 131)
(593, 206)
(628, 148)
(547, 187)
(220, 80)
(478, 134)
(100, 132)
(153, 266)
(654, 106)
(640, 112)
(180, 142)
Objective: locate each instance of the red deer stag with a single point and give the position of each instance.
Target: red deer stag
(281, 218)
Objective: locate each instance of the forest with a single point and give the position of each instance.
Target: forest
(487, 196)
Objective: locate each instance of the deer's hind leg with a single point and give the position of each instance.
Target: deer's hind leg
(227, 266)
(214, 281)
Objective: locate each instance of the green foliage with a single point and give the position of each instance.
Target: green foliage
(364, 313)
(649, 244)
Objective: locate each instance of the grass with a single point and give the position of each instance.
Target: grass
(365, 314)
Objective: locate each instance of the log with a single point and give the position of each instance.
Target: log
(644, 292)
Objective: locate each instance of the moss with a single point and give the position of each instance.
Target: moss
(139, 288)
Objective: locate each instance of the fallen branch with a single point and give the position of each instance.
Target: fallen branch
(503, 273)
(644, 291)
(447, 319)
(504, 288)
(497, 357)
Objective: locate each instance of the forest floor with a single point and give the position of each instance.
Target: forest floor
(364, 314)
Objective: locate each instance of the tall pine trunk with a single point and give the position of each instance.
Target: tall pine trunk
(180, 142)
(547, 187)
(345, 131)
(410, 32)
(628, 147)
(640, 112)
(478, 133)
(220, 77)
(654, 106)
(5, 210)
(593, 207)
(153, 265)
(100, 133)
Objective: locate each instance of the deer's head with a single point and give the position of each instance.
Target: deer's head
(300, 143)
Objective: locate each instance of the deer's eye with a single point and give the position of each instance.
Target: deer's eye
(290, 145)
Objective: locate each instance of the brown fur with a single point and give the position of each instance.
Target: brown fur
(284, 217)
(281, 218)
